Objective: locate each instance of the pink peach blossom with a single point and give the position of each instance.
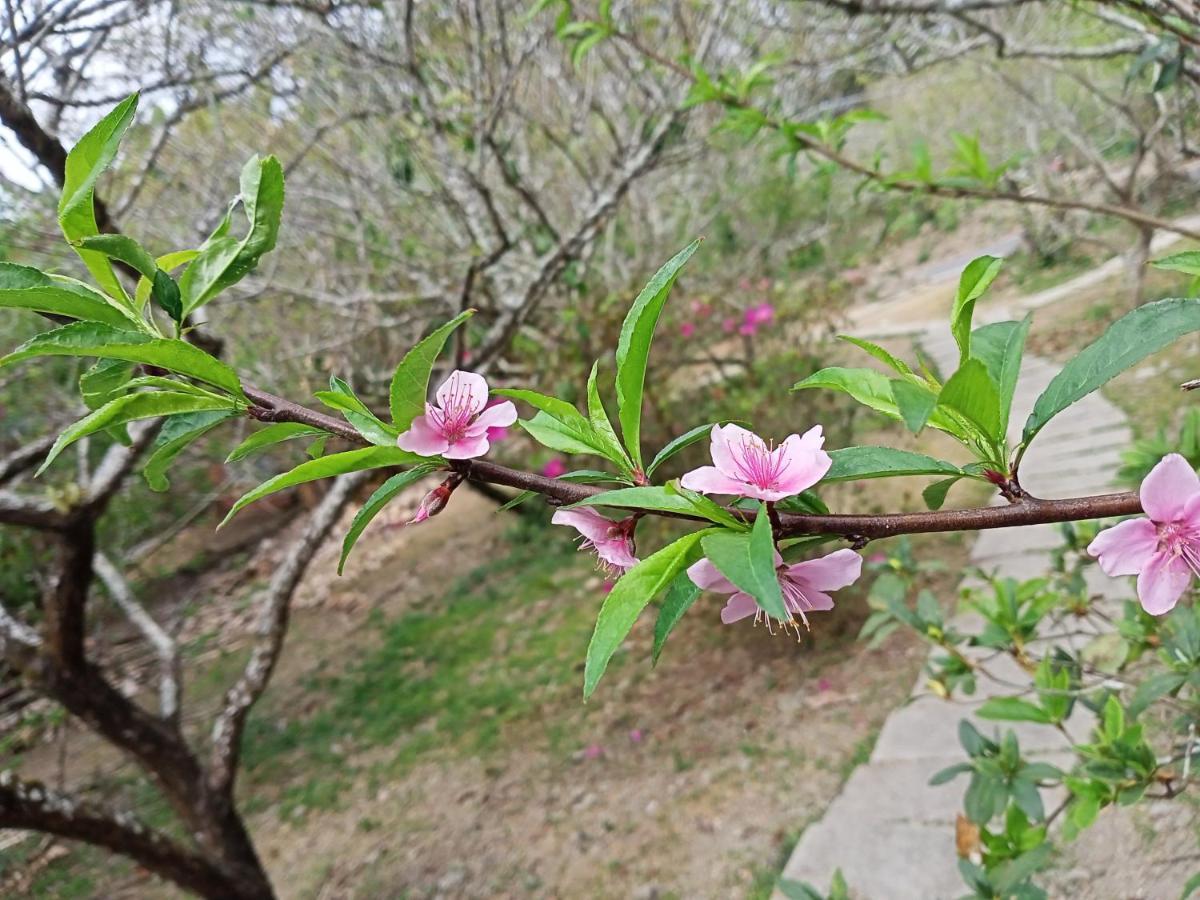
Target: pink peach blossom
(459, 425)
(729, 325)
(748, 330)
(612, 541)
(760, 314)
(1162, 549)
(804, 585)
(554, 468)
(687, 329)
(746, 466)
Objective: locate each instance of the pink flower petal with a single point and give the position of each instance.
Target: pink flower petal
(728, 445)
(828, 573)
(1162, 583)
(499, 416)
(463, 390)
(707, 577)
(469, 446)
(422, 439)
(616, 552)
(1168, 487)
(710, 480)
(806, 462)
(586, 521)
(813, 601)
(1126, 548)
(739, 607)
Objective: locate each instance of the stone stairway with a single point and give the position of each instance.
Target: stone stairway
(888, 831)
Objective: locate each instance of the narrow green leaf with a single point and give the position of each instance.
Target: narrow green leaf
(1127, 341)
(104, 381)
(223, 261)
(327, 467)
(123, 248)
(888, 359)
(851, 463)
(915, 402)
(1013, 709)
(633, 348)
(269, 436)
(177, 434)
(976, 279)
(342, 398)
(106, 342)
(1187, 262)
(629, 597)
(166, 294)
(683, 441)
(663, 499)
(76, 210)
(1000, 347)
(600, 424)
(551, 432)
(62, 302)
(867, 386)
(680, 596)
(129, 408)
(384, 495)
(410, 382)
(748, 560)
(971, 392)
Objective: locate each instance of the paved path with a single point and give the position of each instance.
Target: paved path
(890, 833)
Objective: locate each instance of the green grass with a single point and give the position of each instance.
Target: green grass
(453, 678)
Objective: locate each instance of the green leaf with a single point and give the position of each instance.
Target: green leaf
(223, 261)
(629, 597)
(971, 392)
(76, 208)
(1187, 262)
(166, 294)
(176, 435)
(269, 436)
(852, 463)
(104, 381)
(1013, 709)
(893, 362)
(1192, 885)
(327, 467)
(384, 495)
(1000, 347)
(867, 386)
(129, 408)
(984, 796)
(62, 302)
(342, 398)
(633, 348)
(1154, 688)
(935, 495)
(680, 596)
(975, 280)
(684, 440)
(664, 499)
(410, 382)
(166, 263)
(106, 342)
(125, 249)
(748, 560)
(576, 437)
(1127, 341)
(949, 773)
(915, 402)
(601, 426)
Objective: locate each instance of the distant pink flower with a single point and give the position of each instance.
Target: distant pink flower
(701, 308)
(612, 541)
(636, 735)
(804, 586)
(877, 559)
(1163, 549)
(823, 685)
(746, 466)
(687, 329)
(593, 751)
(764, 284)
(729, 325)
(554, 468)
(744, 284)
(761, 314)
(458, 426)
(748, 330)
